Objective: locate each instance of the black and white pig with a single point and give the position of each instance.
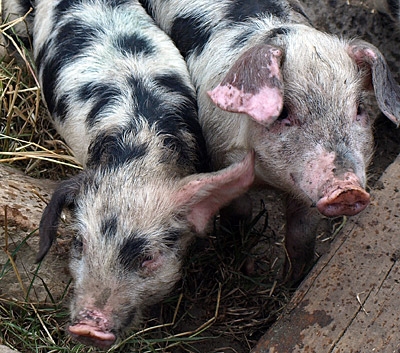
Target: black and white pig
(267, 80)
(119, 93)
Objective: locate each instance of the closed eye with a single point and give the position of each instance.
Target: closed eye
(284, 114)
(362, 115)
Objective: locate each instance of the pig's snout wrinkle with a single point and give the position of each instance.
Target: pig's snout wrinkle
(91, 335)
(344, 202)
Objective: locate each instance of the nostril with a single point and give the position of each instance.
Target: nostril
(344, 203)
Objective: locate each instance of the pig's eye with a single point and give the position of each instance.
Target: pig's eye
(360, 109)
(77, 247)
(284, 118)
(284, 114)
(146, 259)
(362, 116)
(77, 243)
(152, 262)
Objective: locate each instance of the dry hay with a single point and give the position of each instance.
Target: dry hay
(27, 138)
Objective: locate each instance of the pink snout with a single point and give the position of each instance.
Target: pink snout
(343, 201)
(92, 331)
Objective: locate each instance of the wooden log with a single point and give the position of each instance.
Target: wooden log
(350, 300)
(22, 201)
(5, 349)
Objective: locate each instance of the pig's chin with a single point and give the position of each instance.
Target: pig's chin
(92, 336)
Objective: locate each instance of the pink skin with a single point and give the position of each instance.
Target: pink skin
(336, 194)
(343, 197)
(232, 99)
(247, 90)
(225, 188)
(92, 329)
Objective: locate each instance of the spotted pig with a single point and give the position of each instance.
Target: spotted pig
(119, 93)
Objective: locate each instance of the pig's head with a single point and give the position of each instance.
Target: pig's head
(131, 231)
(304, 92)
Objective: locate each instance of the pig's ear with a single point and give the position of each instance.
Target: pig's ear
(63, 196)
(203, 195)
(386, 89)
(253, 85)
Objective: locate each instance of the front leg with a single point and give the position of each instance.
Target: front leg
(301, 225)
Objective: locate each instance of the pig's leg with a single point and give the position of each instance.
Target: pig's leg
(301, 224)
(238, 212)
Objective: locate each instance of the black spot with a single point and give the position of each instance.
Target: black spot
(190, 35)
(60, 107)
(284, 31)
(103, 95)
(134, 44)
(111, 150)
(241, 39)
(26, 5)
(242, 10)
(174, 83)
(186, 119)
(76, 247)
(131, 250)
(40, 55)
(109, 227)
(148, 102)
(147, 6)
(116, 3)
(171, 237)
(72, 39)
(173, 121)
(50, 70)
(64, 5)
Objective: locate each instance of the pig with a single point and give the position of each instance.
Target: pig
(267, 80)
(390, 7)
(119, 93)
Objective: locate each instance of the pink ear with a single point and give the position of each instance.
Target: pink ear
(386, 89)
(204, 194)
(253, 85)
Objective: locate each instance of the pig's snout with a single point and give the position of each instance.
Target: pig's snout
(91, 329)
(343, 201)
